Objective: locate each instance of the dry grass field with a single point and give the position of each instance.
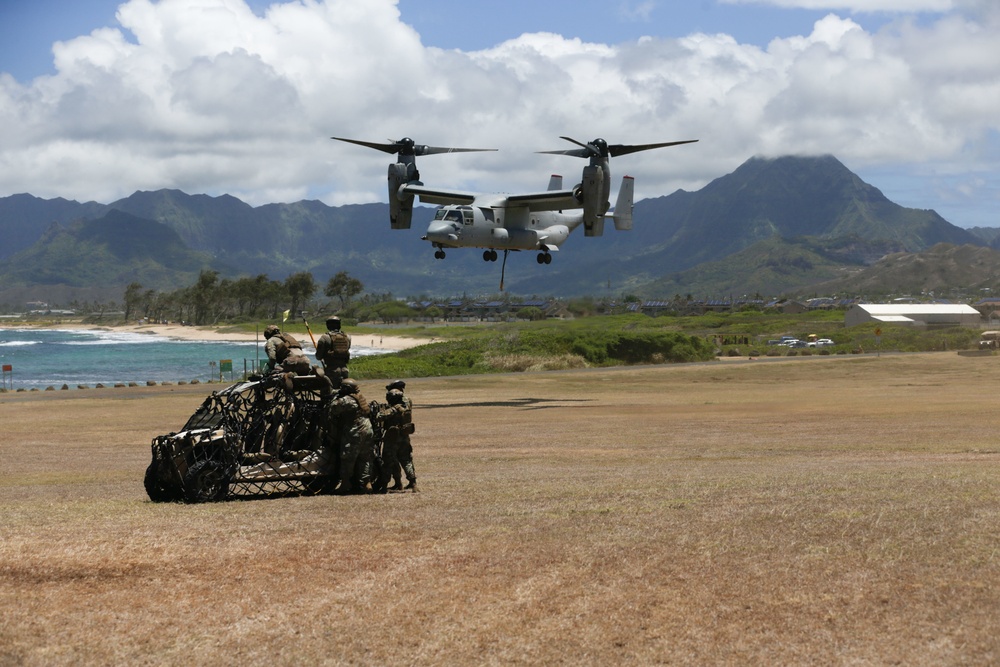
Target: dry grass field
(830, 510)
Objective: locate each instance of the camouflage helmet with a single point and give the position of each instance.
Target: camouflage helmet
(394, 397)
(270, 330)
(396, 384)
(349, 386)
(333, 322)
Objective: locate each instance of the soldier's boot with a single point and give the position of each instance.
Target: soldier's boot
(344, 488)
(411, 475)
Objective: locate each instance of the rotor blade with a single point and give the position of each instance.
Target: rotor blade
(406, 146)
(615, 150)
(436, 150)
(574, 141)
(385, 148)
(575, 152)
(585, 150)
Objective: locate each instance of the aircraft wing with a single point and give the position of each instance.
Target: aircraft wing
(550, 200)
(439, 196)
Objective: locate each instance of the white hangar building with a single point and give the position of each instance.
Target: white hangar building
(913, 314)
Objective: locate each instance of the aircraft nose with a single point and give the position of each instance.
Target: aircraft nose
(439, 230)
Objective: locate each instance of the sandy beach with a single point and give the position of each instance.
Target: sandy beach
(181, 332)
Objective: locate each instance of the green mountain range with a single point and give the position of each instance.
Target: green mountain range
(773, 226)
(112, 250)
(939, 270)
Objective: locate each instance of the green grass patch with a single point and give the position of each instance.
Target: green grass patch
(612, 340)
(605, 341)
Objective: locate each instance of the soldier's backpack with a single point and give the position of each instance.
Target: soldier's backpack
(290, 340)
(340, 342)
(284, 348)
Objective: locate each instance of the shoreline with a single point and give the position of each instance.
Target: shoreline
(193, 333)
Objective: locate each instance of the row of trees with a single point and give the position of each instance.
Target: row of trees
(211, 300)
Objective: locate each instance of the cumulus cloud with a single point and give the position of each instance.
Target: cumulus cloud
(206, 96)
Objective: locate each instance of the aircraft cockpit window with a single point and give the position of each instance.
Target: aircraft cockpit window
(467, 214)
(449, 214)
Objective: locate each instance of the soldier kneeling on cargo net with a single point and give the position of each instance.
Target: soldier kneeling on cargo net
(333, 349)
(285, 356)
(396, 419)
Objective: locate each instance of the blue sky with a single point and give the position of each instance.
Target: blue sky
(226, 96)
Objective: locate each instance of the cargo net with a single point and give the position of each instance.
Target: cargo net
(255, 438)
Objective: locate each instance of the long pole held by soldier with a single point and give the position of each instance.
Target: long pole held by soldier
(311, 337)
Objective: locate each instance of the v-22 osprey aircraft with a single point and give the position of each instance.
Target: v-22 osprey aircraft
(539, 221)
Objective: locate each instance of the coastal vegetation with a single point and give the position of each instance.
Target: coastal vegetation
(516, 336)
(593, 333)
(527, 346)
(612, 340)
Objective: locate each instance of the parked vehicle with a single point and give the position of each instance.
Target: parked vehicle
(258, 437)
(989, 340)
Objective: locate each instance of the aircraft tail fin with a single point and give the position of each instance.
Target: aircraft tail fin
(622, 215)
(555, 182)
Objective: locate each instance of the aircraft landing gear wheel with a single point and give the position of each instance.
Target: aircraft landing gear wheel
(486, 256)
(544, 258)
(548, 258)
(493, 255)
(439, 254)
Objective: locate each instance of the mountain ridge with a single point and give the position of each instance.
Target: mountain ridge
(115, 249)
(795, 207)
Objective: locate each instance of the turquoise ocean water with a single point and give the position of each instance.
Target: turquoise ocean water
(53, 357)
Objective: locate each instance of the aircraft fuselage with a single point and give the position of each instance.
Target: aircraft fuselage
(484, 225)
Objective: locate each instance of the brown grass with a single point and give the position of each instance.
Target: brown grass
(832, 510)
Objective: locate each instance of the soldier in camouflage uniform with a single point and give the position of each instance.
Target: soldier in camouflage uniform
(350, 428)
(284, 352)
(333, 349)
(271, 346)
(394, 416)
(401, 408)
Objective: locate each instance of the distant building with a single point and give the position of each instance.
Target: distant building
(987, 306)
(913, 314)
(793, 307)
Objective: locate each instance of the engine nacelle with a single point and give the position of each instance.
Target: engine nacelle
(400, 205)
(593, 197)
